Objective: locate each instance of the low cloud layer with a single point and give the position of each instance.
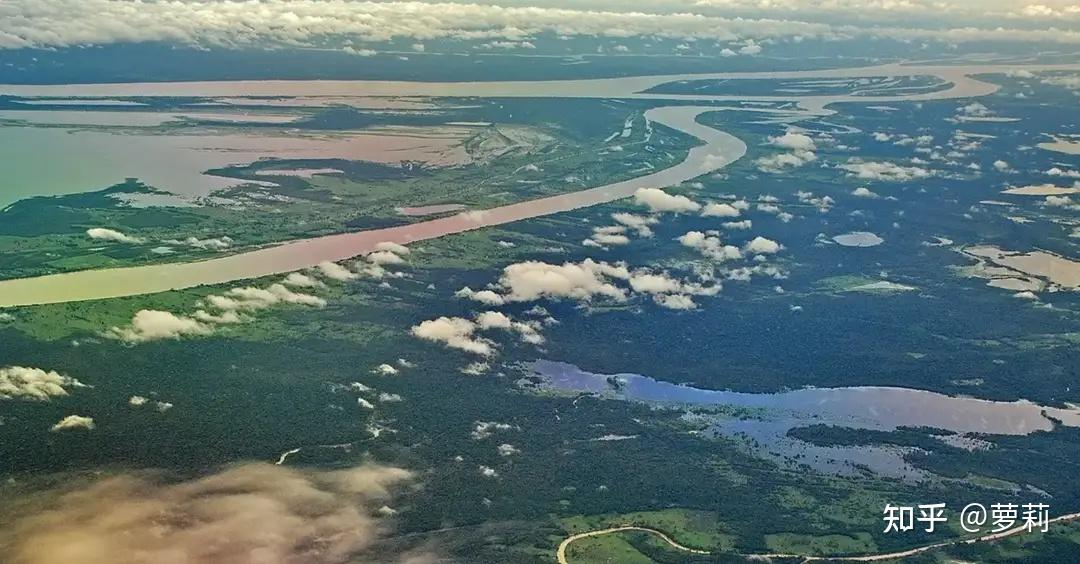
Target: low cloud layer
(720, 210)
(237, 305)
(884, 171)
(533, 280)
(668, 291)
(20, 382)
(335, 271)
(74, 422)
(607, 236)
(801, 147)
(639, 223)
(744, 25)
(592, 280)
(385, 254)
(103, 234)
(456, 333)
(763, 246)
(460, 333)
(234, 306)
(208, 244)
(659, 201)
(248, 514)
(251, 298)
(153, 325)
(115, 236)
(710, 246)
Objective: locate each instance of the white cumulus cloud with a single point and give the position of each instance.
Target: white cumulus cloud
(710, 246)
(335, 271)
(74, 422)
(20, 382)
(103, 234)
(761, 245)
(884, 171)
(454, 332)
(154, 325)
(488, 297)
(658, 200)
(534, 280)
(639, 223)
(719, 210)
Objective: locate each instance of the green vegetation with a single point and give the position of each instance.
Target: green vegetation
(48, 235)
(873, 86)
(788, 543)
(281, 381)
(608, 548)
(691, 528)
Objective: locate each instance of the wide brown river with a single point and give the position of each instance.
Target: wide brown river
(717, 149)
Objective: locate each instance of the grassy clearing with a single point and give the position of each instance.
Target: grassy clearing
(791, 543)
(689, 527)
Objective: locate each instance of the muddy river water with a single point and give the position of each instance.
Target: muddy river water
(717, 149)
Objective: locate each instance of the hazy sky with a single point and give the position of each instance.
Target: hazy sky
(54, 23)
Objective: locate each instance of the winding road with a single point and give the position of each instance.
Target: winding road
(718, 150)
(564, 546)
